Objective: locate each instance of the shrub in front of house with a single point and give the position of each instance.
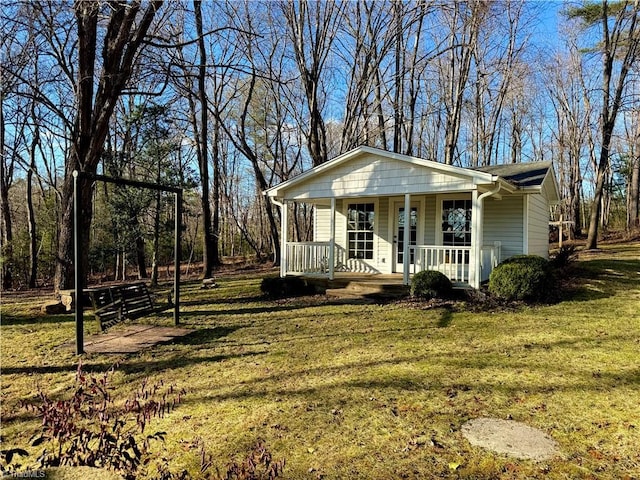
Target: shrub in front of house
(529, 278)
(279, 287)
(430, 284)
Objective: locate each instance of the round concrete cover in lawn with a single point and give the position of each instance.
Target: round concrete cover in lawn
(511, 438)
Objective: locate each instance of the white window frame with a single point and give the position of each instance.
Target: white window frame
(376, 223)
(438, 220)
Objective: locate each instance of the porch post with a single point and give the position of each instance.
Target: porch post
(284, 222)
(332, 239)
(407, 239)
(476, 239)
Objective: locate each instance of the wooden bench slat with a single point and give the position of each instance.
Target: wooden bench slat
(121, 302)
(131, 304)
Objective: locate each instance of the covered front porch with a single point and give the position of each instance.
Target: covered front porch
(374, 236)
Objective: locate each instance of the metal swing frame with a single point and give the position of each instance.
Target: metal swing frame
(79, 307)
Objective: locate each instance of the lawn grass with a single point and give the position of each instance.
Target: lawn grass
(370, 391)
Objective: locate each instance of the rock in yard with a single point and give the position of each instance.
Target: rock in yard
(511, 438)
(209, 283)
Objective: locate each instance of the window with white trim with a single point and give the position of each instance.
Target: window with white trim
(360, 225)
(456, 223)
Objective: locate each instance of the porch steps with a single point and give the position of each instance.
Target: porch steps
(366, 290)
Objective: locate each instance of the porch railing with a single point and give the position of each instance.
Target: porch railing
(313, 258)
(307, 257)
(454, 261)
(451, 261)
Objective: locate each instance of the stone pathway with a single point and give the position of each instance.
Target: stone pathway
(132, 339)
(511, 438)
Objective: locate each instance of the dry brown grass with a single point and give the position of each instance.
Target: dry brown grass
(373, 391)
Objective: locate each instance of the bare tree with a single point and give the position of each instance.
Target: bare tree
(210, 250)
(498, 64)
(465, 22)
(571, 132)
(127, 25)
(312, 28)
(7, 163)
(619, 24)
(14, 55)
(365, 42)
(242, 133)
(632, 137)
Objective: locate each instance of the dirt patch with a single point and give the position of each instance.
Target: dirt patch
(511, 438)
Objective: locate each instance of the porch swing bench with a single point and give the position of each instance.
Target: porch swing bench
(117, 303)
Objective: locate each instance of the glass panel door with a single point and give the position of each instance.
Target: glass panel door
(405, 230)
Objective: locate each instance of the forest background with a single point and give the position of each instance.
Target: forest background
(227, 98)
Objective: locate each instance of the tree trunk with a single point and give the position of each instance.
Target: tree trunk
(123, 265)
(633, 210)
(64, 277)
(398, 95)
(202, 150)
(156, 240)
(141, 259)
(598, 196)
(33, 240)
(216, 260)
(7, 232)
(575, 196)
(6, 177)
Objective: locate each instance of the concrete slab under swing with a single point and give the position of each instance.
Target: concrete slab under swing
(132, 339)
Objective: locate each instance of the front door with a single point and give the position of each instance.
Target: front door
(404, 230)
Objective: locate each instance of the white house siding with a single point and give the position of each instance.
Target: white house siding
(373, 175)
(341, 224)
(383, 247)
(537, 225)
(503, 222)
(430, 220)
(322, 223)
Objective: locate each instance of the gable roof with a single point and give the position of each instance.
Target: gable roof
(521, 176)
(476, 177)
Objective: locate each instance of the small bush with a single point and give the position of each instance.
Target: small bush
(529, 278)
(564, 257)
(279, 287)
(430, 284)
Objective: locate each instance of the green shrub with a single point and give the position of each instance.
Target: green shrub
(524, 277)
(430, 284)
(279, 287)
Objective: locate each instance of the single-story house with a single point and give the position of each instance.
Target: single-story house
(380, 212)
